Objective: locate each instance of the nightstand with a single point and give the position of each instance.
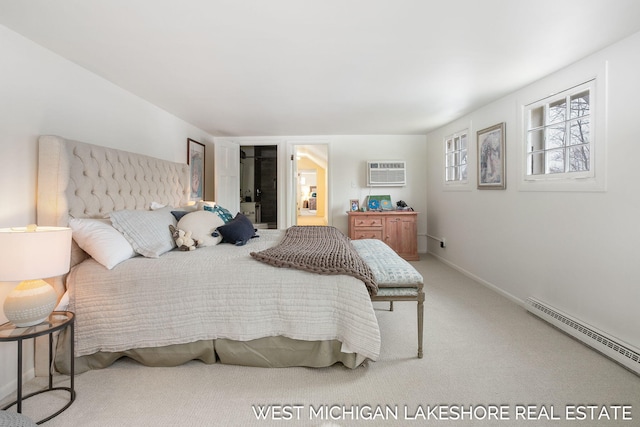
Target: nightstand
(57, 321)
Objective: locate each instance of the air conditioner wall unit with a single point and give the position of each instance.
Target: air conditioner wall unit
(386, 173)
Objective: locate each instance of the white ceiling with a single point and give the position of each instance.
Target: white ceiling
(321, 67)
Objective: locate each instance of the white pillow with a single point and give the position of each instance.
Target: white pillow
(202, 224)
(154, 206)
(190, 207)
(99, 239)
(147, 231)
(202, 203)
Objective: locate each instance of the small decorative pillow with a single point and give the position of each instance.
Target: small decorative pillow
(178, 214)
(237, 231)
(223, 213)
(201, 224)
(147, 231)
(99, 239)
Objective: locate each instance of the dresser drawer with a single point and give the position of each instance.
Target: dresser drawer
(367, 222)
(367, 234)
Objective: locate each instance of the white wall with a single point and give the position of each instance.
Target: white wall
(577, 251)
(347, 175)
(42, 93)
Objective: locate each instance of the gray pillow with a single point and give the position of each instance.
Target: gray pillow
(147, 231)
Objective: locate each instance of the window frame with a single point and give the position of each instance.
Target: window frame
(458, 183)
(546, 126)
(569, 81)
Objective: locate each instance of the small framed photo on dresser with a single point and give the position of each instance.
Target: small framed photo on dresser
(354, 205)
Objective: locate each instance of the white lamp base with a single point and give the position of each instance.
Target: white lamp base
(30, 303)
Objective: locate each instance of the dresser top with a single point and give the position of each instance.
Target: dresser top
(393, 212)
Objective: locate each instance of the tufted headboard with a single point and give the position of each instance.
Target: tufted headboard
(79, 180)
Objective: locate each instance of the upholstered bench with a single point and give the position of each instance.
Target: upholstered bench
(397, 279)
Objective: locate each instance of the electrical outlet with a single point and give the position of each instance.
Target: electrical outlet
(443, 243)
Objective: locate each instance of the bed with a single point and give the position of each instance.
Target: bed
(218, 303)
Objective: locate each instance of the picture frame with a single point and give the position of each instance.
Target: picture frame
(379, 203)
(491, 158)
(354, 205)
(195, 160)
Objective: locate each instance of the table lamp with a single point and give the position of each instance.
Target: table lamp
(30, 254)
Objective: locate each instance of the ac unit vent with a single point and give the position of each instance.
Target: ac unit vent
(386, 173)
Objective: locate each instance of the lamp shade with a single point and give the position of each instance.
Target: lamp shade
(30, 254)
(39, 254)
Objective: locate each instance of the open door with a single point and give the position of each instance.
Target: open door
(227, 175)
(310, 178)
(259, 184)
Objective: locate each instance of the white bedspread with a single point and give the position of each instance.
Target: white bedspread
(216, 292)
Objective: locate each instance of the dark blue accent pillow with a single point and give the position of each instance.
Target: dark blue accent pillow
(237, 231)
(178, 214)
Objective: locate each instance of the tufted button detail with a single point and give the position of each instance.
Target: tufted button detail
(105, 179)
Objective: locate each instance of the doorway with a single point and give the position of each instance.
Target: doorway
(311, 178)
(259, 184)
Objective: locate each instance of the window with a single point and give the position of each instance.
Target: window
(456, 150)
(559, 137)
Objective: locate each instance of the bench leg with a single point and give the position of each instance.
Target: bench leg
(390, 305)
(420, 322)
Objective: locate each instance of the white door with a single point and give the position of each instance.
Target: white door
(227, 175)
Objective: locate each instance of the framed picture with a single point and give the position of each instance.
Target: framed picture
(379, 203)
(195, 160)
(491, 158)
(354, 205)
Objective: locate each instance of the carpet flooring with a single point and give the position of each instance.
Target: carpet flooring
(487, 362)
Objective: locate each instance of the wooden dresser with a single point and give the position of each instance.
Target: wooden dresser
(398, 229)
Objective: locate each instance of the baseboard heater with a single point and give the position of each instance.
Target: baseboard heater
(622, 353)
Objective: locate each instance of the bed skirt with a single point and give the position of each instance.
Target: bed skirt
(269, 352)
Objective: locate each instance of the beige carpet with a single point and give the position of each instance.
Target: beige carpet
(482, 354)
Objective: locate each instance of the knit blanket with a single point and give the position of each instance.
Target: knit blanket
(318, 249)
